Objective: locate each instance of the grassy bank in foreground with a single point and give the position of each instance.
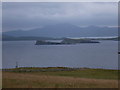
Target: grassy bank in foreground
(79, 78)
(0, 79)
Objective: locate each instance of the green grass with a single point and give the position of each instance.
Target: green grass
(89, 78)
(82, 73)
(88, 73)
(82, 78)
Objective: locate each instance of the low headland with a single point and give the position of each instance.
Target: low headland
(65, 41)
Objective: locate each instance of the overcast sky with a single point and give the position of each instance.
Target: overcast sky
(26, 15)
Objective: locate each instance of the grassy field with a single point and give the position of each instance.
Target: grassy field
(0, 79)
(84, 78)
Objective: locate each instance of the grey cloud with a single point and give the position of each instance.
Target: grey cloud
(29, 15)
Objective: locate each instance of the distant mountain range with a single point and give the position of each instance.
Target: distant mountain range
(65, 30)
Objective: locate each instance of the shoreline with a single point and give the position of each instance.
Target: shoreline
(45, 69)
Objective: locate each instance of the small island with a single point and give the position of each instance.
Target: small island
(65, 41)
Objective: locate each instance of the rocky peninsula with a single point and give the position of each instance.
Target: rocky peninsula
(65, 41)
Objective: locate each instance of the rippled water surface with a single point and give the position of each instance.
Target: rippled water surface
(92, 55)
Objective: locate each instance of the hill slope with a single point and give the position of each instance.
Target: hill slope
(66, 30)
